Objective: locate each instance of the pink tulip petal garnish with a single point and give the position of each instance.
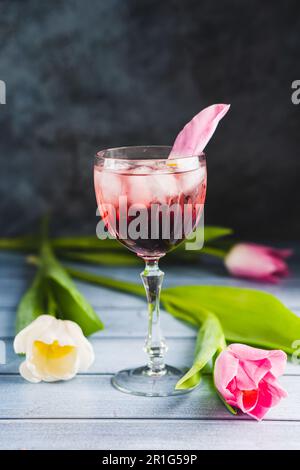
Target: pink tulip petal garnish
(196, 134)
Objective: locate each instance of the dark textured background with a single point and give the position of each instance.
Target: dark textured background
(83, 75)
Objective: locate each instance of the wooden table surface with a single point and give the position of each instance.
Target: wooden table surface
(88, 413)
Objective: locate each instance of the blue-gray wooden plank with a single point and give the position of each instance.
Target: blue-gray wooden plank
(148, 434)
(116, 353)
(93, 396)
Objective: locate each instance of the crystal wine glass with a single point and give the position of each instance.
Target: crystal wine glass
(150, 203)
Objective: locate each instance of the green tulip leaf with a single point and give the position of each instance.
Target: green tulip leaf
(246, 315)
(210, 340)
(107, 258)
(70, 302)
(32, 303)
(212, 232)
(85, 243)
(27, 243)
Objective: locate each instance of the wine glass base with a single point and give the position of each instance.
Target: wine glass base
(140, 382)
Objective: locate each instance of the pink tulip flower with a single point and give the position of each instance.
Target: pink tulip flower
(246, 378)
(257, 262)
(195, 135)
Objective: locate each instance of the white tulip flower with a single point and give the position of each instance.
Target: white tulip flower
(55, 350)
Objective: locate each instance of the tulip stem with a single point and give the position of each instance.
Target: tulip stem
(104, 281)
(217, 252)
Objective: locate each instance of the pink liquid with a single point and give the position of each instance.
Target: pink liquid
(143, 187)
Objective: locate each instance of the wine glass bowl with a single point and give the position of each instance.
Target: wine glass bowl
(146, 180)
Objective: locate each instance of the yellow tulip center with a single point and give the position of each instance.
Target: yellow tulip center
(53, 350)
(54, 360)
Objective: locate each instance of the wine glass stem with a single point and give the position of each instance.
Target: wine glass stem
(155, 346)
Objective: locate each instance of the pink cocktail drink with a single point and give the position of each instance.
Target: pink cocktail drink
(162, 200)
